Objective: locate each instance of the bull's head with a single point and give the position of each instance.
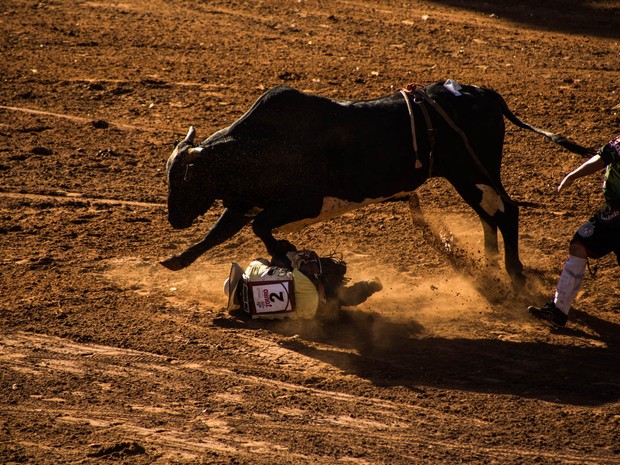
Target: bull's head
(187, 191)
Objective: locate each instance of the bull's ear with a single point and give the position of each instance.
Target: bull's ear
(193, 154)
(190, 135)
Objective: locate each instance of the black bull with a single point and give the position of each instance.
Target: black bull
(296, 158)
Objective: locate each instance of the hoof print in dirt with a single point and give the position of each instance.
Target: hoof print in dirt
(121, 449)
(41, 151)
(100, 124)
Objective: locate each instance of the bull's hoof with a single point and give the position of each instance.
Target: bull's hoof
(173, 263)
(518, 280)
(278, 254)
(285, 247)
(281, 261)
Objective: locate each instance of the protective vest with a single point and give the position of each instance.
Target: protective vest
(271, 292)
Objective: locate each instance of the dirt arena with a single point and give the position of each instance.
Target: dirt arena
(108, 357)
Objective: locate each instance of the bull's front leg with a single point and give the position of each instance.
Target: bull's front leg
(278, 216)
(228, 224)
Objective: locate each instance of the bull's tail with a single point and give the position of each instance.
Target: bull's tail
(557, 138)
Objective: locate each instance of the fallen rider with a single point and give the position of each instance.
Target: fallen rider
(312, 286)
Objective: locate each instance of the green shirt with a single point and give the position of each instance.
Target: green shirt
(610, 154)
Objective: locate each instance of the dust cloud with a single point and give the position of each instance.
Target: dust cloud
(430, 299)
(200, 285)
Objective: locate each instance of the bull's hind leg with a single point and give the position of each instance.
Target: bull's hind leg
(495, 212)
(491, 245)
(508, 223)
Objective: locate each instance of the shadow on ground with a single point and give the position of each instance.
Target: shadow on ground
(397, 353)
(570, 16)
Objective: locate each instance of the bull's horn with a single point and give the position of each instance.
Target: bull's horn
(190, 135)
(193, 154)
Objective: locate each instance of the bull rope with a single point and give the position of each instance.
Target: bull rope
(420, 92)
(429, 128)
(418, 163)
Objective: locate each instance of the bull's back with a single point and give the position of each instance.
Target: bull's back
(350, 148)
(286, 112)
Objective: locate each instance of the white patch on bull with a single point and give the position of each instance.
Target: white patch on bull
(332, 207)
(491, 201)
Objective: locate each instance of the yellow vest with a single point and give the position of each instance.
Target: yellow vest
(306, 294)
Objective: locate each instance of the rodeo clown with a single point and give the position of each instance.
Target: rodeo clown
(312, 285)
(594, 239)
